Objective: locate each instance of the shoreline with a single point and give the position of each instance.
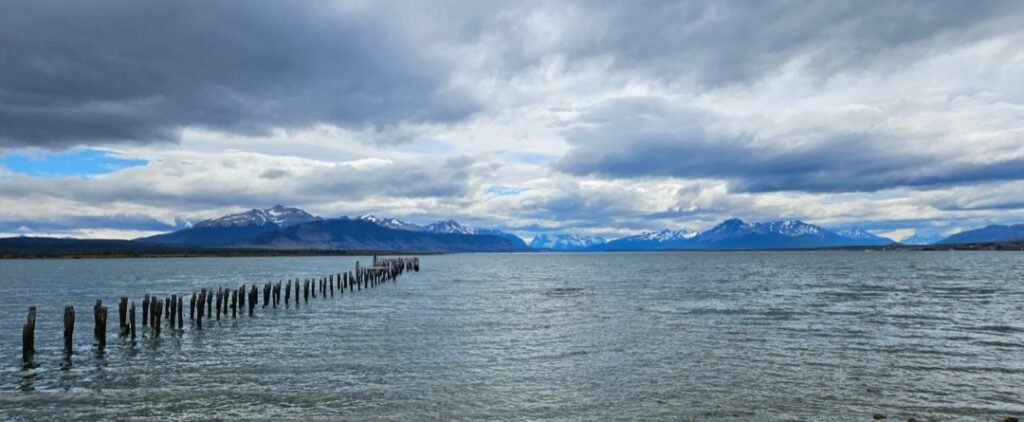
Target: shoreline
(43, 253)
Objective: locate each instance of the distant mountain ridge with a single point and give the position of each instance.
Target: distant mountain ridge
(994, 233)
(653, 240)
(919, 239)
(738, 234)
(292, 228)
(441, 227)
(234, 227)
(566, 242)
(357, 234)
(281, 227)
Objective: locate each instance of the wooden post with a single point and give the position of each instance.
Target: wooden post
(220, 294)
(69, 328)
(199, 310)
(28, 336)
(209, 303)
(288, 294)
(266, 294)
(152, 310)
(101, 324)
(253, 297)
(192, 307)
(158, 313)
(122, 315)
(145, 310)
(131, 320)
(172, 313)
(181, 317)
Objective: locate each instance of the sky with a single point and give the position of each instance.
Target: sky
(122, 119)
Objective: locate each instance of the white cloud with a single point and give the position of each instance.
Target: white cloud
(830, 114)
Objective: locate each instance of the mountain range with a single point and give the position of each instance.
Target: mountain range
(281, 227)
(996, 233)
(287, 228)
(731, 234)
(566, 242)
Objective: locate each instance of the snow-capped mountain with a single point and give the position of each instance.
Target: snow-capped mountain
(653, 240)
(391, 223)
(922, 239)
(278, 215)
(737, 234)
(452, 226)
(235, 227)
(864, 237)
(449, 226)
(666, 235)
(566, 242)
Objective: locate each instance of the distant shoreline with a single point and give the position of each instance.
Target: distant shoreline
(155, 252)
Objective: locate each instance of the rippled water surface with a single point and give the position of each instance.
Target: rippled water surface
(607, 336)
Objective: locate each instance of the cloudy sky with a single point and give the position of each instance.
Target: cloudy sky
(125, 118)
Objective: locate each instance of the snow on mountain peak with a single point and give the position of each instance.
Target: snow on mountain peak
(565, 241)
(277, 215)
(665, 235)
(856, 233)
(391, 223)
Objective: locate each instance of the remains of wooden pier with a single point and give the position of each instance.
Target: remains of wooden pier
(201, 305)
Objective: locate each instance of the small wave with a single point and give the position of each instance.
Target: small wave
(564, 292)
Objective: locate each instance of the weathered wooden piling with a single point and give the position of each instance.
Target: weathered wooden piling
(145, 310)
(131, 320)
(69, 327)
(181, 317)
(28, 336)
(209, 303)
(253, 297)
(122, 315)
(220, 297)
(100, 315)
(157, 313)
(266, 294)
(192, 307)
(173, 314)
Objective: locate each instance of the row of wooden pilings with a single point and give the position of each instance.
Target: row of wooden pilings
(209, 303)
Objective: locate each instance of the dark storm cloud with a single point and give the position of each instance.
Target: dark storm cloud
(125, 71)
(642, 137)
(723, 42)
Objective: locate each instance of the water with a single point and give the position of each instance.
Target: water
(631, 336)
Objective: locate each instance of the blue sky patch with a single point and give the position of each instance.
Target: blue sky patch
(84, 162)
(503, 190)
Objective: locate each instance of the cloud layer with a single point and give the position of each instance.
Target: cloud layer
(599, 117)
